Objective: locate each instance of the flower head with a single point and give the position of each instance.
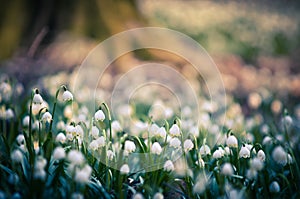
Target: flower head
(47, 117)
(244, 152)
(204, 150)
(99, 116)
(174, 130)
(124, 169)
(16, 156)
(37, 99)
(61, 138)
(129, 146)
(59, 153)
(279, 155)
(67, 96)
(227, 169)
(156, 148)
(169, 166)
(232, 141)
(175, 142)
(188, 145)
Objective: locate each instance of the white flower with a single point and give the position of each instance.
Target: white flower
(153, 130)
(267, 140)
(101, 141)
(169, 166)
(77, 196)
(274, 187)
(70, 129)
(200, 184)
(39, 172)
(37, 99)
(256, 164)
(195, 131)
(95, 132)
(227, 150)
(110, 154)
(261, 155)
(124, 169)
(232, 141)
(174, 130)
(129, 146)
(94, 145)
(83, 175)
(156, 148)
(204, 150)
(20, 139)
(244, 152)
(116, 126)
(227, 169)
(158, 196)
(75, 157)
(99, 116)
(79, 131)
(25, 121)
(162, 132)
(188, 145)
(9, 113)
(16, 156)
(138, 196)
(287, 121)
(279, 155)
(59, 153)
(251, 174)
(217, 154)
(175, 142)
(249, 147)
(60, 125)
(67, 96)
(69, 136)
(47, 117)
(201, 163)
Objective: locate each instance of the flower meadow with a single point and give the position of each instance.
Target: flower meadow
(53, 146)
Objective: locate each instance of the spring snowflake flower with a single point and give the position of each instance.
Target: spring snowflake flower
(217, 154)
(201, 163)
(9, 114)
(279, 155)
(227, 169)
(153, 130)
(232, 141)
(274, 187)
(156, 148)
(75, 157)
(101, 141)
(244, 152)
(47, 117)
(99, 116)
(256, 164)
(261, 155)
(94, 145)
(169, 166)
(175, 142)
(201, 183)
(267, 140)
(59, 153)
(162, 132)
(194, 130)
(70, 129)
(67, 96)
(60, 125)
(16, 156)
(116, 126)
(82, 176)
(25, 121)
(204, 150)
(158, 196)
(61, 138)
(39, 166)
(79, 131)
(20, 139)
(110, 154)
(227, 150)
(138, 196)
(188, 145)
(37, 99)
(251, 174)
(249, 147)
(174, 130)
(94, 132)
(77, 196)
(124, 169)
(129, 146)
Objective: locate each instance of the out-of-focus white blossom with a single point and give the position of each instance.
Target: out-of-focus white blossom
(274, 187)
(59, 153)
(94, 132)
(204, 150)
(101, 141)
(99, 116)
(20, 139)
(175, 142)
(261, 155)
(153, 130)
(110, 155)
(25, 121)
(75, 157)
(124, 169)
(61, 138)
(188, 145)
(279, 155)
(156, 148)
(232, 141)
(158, 196)
(16, 156)
(227, 169)
(174, 130)
(82, 176)
(162, 132)
(169, 166)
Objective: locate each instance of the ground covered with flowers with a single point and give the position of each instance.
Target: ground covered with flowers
(53, 146)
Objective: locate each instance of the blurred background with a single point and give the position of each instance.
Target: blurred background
(255, 44)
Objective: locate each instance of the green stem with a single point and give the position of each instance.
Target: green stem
(109, 120)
